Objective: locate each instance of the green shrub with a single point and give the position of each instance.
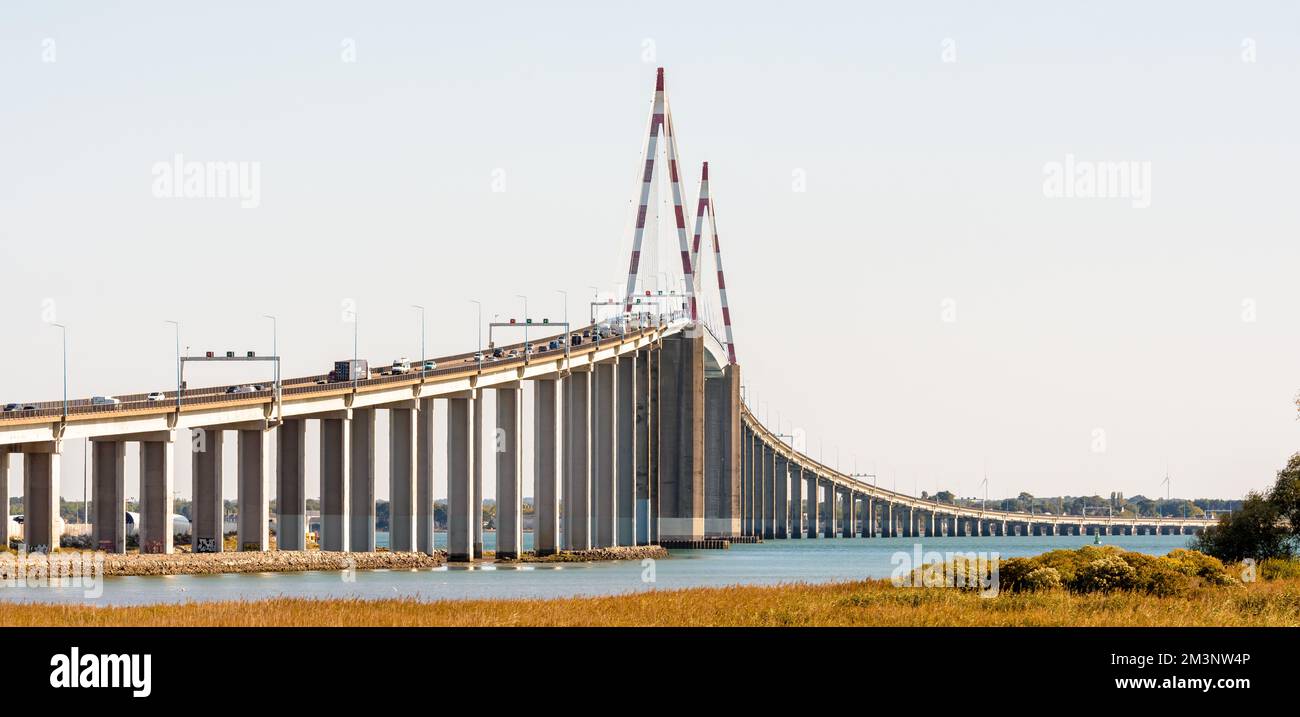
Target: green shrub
(1278, 569)
(1012, 573)
(1041, 579)
(1106, 574)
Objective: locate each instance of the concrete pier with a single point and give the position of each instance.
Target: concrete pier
(460, 479)
(604, 454)
(828, 510)
(41, 499)
(647, 432)
(291, 485)
(781, 509)
(361, 509)
(424, 457)
(156, 534)
(403, 469)
(478, 475)
(577, 461)
(850, 516)
(796, 500)
(253, 497)
(746, 481)
(768, 463)
(335, 482)
(207, 513)
(722, 454)
(510, 469)
(625, 440)
(4, 504)
(546, 466)
(814, 508)
(108, 471)
(681, 438)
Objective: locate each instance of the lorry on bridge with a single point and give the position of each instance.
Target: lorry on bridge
(350, 370)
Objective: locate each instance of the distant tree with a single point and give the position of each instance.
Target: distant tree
(1265, 525)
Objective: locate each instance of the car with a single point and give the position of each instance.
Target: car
(497, 353)
(240, 389)
(429, 366)
(553, 346)
(320, 381)
(261, 387)
(155, 396)
(400, 366)
(11, 407)
(104, 401)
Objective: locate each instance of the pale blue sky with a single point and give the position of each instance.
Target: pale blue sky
(923, 183)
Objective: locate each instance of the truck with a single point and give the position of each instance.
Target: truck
(350, 370)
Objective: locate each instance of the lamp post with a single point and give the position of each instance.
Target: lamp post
(423, 355)
(526, 344)
(479, 355)
(64, 330)
(275, 349)
(566, 321)
(177, 324)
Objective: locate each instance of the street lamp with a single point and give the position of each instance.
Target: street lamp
(423, 355)
(177, 324)
(64, 329)
(479, 355)
(275, 349)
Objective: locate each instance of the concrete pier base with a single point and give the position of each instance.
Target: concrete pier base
(478, 475)
(40, 501)
(577, 461)
(335, 483)
(403, 469)
(424, 457)
(626, 442)
(291, 485)
(253, 499)
(207, 512)
(460, 479)
(108, 471)
(681, 437)
(546, 471)
(814, 507)
(157, 492)
(361, 508)
(604, 455)
(510, 468)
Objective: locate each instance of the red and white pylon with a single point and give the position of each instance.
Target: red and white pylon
(706, 204)
(661, 120)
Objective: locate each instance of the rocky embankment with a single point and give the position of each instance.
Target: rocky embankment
(638, 552)
(275, 561)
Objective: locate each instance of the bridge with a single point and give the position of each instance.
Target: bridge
(639, 433)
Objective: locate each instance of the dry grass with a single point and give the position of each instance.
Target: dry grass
(867, 603)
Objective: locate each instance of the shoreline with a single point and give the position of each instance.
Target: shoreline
(290, 561)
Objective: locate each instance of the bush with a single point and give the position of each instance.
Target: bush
(1279, 569)
(1044, 578)
(1105, 574)
(1199, 565)
(1013, 573)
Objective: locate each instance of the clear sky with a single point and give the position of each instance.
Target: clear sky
(904, 290)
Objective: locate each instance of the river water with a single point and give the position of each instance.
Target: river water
(776, 561)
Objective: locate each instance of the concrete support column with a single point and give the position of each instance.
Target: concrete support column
(645, 448)
(546, 460)
(577, 461)
(654, 463)
(477, 438)
(403, 469)
(722, 454)
(768, 464)
(868, 517)
(108, 470)
(157, 491)
(625, 440)
(424, 498)
(781, 509)
(335, 483)
(4, 499)
(810, 497)
(828, 507)
(850, 514)
(252, 494)
(746, 477)
(681, 437)
(510, 472)
(460, 479)
(291, 485)
(40, 501)
(604, 454)
(207, 525)
(361, 532)
(796, 501)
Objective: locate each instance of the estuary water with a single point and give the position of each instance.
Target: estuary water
(776, 561)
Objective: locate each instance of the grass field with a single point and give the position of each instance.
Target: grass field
(865, 603)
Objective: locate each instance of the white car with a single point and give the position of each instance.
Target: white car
(400, 366)
(240, 389)
(156, 396)
(104, 401)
